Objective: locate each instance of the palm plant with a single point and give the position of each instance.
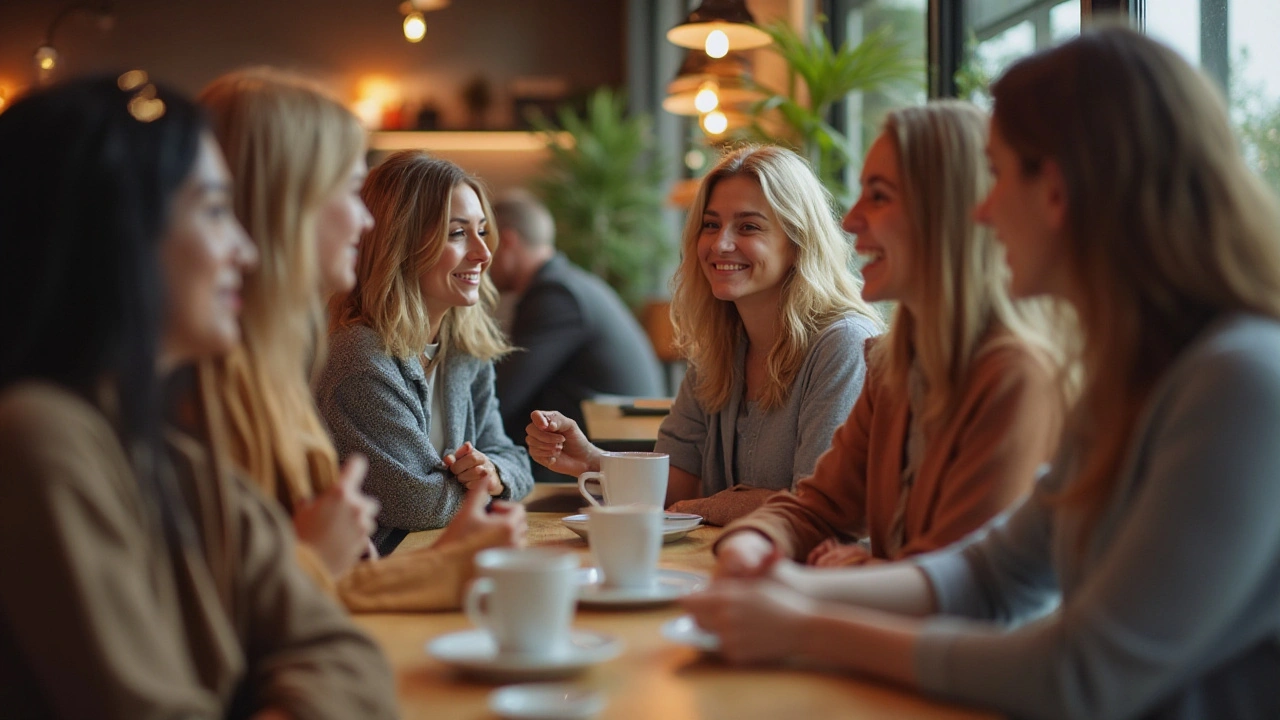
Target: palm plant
(828, 76)
(604, 189)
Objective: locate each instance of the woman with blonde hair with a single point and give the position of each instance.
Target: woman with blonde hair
(961, 403)
(297, 156)
(409, 382)
(1121, 189)
(768, 312)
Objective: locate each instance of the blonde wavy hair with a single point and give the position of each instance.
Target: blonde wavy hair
(409, 195)
(289, 146)
(821, 287)
(1166, 228)
(959, 268)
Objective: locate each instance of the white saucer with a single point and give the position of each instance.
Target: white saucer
(674, 525)
(544, 701)
(475, 652)
(685, 631)
(670, 585)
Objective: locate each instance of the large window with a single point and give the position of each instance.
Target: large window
(1001, 31)
(1235, 42)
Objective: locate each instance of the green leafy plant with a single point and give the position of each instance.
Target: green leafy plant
(604, 188)
(827, 76)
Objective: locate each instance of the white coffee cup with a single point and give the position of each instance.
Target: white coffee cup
(629, 478)
(525, 598)
(625, 541)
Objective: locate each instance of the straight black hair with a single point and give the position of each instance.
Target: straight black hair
(88, 171)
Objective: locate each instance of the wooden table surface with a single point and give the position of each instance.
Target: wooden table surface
(653, 679)
(604, 422)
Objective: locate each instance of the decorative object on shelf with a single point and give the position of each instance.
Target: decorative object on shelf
(477, 96)
(718, 27)
(46, 58)
(605, 189)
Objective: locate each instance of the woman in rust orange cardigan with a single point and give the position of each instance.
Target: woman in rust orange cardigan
(961, 403)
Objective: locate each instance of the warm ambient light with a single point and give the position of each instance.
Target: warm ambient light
(46, 58)
(374, 94)
(717, 44)
(708, 97)
(415, 27)
(715, 122)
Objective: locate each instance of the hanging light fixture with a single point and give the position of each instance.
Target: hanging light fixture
(704, 84)
(415, 25)
(46, 59)
(718, 27)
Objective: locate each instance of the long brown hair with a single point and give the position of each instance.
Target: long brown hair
(1166, 228)
(821, 287)
(958, 266)
(409, 195)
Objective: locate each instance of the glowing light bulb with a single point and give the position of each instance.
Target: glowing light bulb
(715, 122)
(717, 44)
(46, 58)
(415, 27)
(708, 97)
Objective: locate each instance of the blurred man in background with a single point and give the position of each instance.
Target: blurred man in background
(576, 337)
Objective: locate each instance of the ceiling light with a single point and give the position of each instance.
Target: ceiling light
(727, 19)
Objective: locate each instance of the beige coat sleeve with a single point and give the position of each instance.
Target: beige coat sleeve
(305, 656)
(90, 610)
(422, 579)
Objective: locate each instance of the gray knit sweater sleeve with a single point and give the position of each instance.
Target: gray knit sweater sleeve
(372, 408)
(1170, 610)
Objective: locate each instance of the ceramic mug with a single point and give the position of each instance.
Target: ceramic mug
(629, 478)
(525, 598)
(625, 541)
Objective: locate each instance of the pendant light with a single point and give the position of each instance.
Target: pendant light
(705, 84)
(719, 27)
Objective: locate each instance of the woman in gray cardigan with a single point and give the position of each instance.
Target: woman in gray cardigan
(409, 379)
(770, 316)
(1119, 188)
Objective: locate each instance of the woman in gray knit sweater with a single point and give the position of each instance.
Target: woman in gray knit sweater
(1121, 189)
(409, 378)
(769, 313)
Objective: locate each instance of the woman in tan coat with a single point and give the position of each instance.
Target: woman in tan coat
(297, 156)
(138, 577)
(961, 404)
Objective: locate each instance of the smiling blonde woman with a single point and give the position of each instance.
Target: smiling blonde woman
(768, 311)
(409, 382)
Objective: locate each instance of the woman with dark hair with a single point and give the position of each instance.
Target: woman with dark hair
(137, 577)
(1141, 577)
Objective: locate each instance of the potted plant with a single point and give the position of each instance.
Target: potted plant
(819, 76)
(604, 188)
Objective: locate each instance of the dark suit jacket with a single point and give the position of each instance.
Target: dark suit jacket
(577, 340)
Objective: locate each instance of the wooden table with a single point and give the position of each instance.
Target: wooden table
(606, 426)
(653, 679)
